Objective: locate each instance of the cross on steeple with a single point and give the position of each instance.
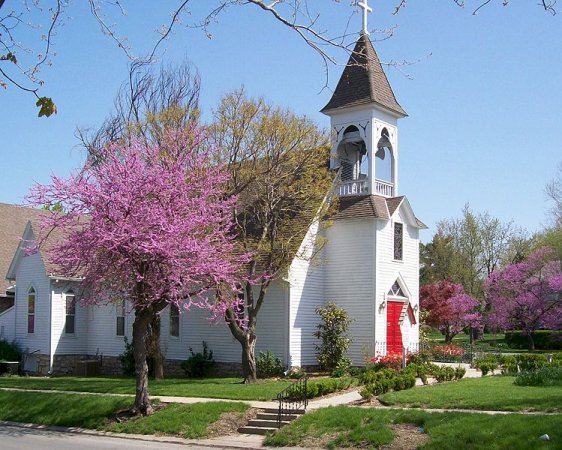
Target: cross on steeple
(366, 10)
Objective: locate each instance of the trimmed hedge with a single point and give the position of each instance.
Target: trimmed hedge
(322, 386)
(544, 340)
(384, 380)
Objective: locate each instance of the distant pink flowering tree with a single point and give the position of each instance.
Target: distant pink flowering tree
(527, 296)
(449, 308)
(149, 223)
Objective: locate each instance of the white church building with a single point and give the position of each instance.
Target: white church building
(369, 265)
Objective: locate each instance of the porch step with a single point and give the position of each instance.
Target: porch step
(266, 421)
(273, 416)
(257, 430)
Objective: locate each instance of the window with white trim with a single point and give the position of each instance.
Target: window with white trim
(120, 318)
(396, 290)
(174, 320)
(70, 319)
(398, 241)
(31, 310)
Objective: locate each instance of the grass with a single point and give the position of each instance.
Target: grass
(367, 428)
(94, 412)
(226, 388)
(487, 393)
(187, 421)
(489, 342)
(86, 411)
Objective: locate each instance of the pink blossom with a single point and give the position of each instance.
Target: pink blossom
(150, 223)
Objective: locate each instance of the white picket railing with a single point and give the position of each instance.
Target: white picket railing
(361, 187)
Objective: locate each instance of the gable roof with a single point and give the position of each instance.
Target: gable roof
(13, 220)
(364, 82)
(373, 207)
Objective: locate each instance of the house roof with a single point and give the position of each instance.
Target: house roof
(13, 220)
(363, 82)
(373, 206)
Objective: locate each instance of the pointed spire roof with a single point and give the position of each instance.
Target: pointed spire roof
(364, 82)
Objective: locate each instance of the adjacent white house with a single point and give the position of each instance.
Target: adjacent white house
(369, 265)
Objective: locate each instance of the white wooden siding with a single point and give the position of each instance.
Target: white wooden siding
(62, 343)
(195, 328)
(8, 324)
(306, 290)
(350, 278)
(102, 329)
(389, 270)
(31, 272)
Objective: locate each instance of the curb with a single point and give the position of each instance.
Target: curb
(138, 437)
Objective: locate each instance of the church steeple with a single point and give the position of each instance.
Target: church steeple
(363, 82)
(364, 117)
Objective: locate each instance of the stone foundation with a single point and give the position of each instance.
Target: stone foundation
(92, 365)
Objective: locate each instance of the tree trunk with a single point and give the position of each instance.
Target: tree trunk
(249, 357)
(448, 336)
(153, 347)
(531, 342)
(143, 318)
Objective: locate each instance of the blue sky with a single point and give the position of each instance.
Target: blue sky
(484, 95)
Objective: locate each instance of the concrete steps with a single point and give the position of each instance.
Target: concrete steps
(266, 421)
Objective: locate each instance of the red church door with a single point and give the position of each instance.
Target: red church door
(393, 332)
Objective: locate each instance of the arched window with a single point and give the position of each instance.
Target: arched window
(385, 158)
(352, 153)
(70, 319)
(31, 310)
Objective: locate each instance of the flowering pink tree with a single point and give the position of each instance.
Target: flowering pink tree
(527, 295)
(449, 309)
(149, 223)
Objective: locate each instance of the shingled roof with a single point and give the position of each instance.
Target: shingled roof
(13, 220)
(364, 82)
(369, 207)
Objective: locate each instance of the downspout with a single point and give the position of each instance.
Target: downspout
(51, 357)
(288, 361)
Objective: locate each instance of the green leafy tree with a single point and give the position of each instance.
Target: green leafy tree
(334, 336)
(278, 169)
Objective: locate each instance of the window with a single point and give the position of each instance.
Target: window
(120, 318)
(396, 290)
(398, 241)
(174, 320)
(70, 313)
(31, 310)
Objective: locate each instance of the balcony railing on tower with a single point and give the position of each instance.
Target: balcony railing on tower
(361, 187)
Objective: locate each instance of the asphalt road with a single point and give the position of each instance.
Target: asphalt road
(16, 438)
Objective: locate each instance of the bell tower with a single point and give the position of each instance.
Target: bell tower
(364, 117)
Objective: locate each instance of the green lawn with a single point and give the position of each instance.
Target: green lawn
(368, 428)
(229, 388)
(87, 411)
(187, 421)
(487, 393)
(94, 412)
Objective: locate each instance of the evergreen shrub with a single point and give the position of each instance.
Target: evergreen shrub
(9, 351)
(333, 333)
(269, 365)
(200, 364)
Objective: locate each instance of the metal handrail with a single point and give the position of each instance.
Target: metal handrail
(292, 398)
